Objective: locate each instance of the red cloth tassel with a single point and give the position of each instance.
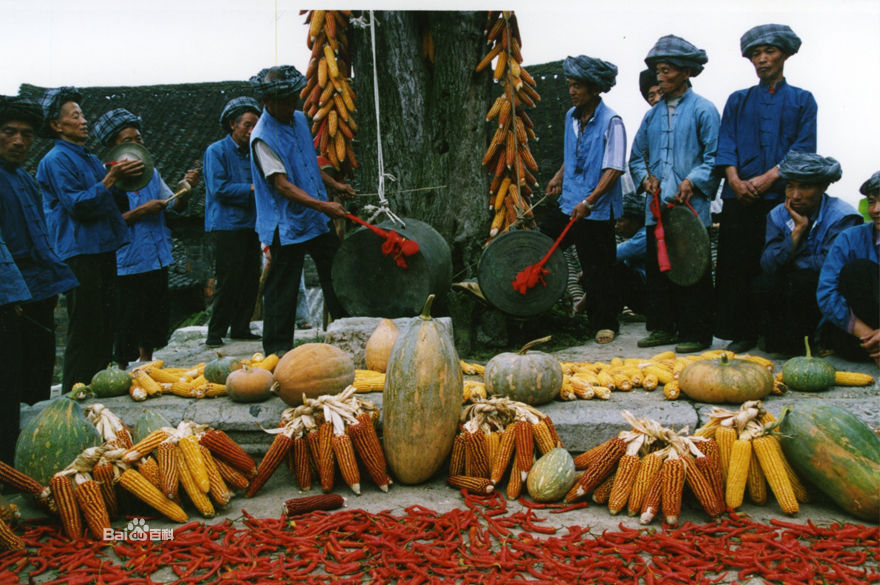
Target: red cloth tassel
(394, 244)
(660, 234)
(530, 276)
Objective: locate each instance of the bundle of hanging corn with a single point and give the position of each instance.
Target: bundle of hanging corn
(328, 96)
(508, 156)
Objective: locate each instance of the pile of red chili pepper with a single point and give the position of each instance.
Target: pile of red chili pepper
(481, 543)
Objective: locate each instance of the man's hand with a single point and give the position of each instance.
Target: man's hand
(153, 206)
(761, 184)
(685, 191)
(333, 209)
(554, 187)
(344, 190)
(745, 191)
(871, 343)
(651, 184)
(580, 211)
(193, 177)
(122, 170)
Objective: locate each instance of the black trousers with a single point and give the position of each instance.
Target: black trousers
(144, 311)
(597, 252)
(37, 340)
(11, 382)
(670, 307)
(90, 307)
(630, 289)
(740, 242)
(789, 311)
(859, 284)
(237, 265)
(281, 289)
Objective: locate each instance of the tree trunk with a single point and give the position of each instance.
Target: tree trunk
(432, 120)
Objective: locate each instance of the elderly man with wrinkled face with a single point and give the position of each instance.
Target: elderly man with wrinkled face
(759, 126)
(800, 232)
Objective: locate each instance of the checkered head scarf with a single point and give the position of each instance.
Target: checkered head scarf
(235, 107)
(111, 123)
(872, 185)
(600, 73)
(51, 103)
(808, 167)
(280, 82)
(21, 110)
(778, 35)
(678, 52)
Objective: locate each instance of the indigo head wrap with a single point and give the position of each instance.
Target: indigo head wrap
(809, 168)
(280, 82)
(647, 80)
(600, 73)
(237, 106)
(21, 110)
(678, 52)
(778, 35)
(111, 123)
(872, 185)
(634, 204)
(51, 103)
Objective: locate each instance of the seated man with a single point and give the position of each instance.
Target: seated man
(800, 233)
(630, 283)
(848, 285)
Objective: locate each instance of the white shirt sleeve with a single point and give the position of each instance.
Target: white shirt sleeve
(615, 146)
(266, 159)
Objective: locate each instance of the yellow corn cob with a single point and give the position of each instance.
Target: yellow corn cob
(543, 437)
(18, 480)
(624, 479)
(470, 368)
(648, 468)
(146, 382)
(586, 458)
(602, 392)
(231, 475)
(165, 455)
(299, 452)
(504, 454)
(198, 380)
(145, 446)
(524, 442)
(653, 498)
(326, 459)
(457, 457)
(103, 473)
(566, 393)
(268, 363)
(343, 450)
(68, 510)
(600, 467)
(671, 391)
(219, 492)
(195, 463)
(672, 478)
(603, 378)
(198, 497)
(137, 393)
(724, 436)
(771, 458)
(149, 468)
(8, 539)
(622, 382)
(160, 375)
(369, 449)
(663, 355)
(586, 392)
(738, 472)
(758, 360)
(476, 485)
(852, 379)
(213, 390)
(476, 460)
(473, 390)
(710, 466)
(603, 490)
(493, 442)
(702, 488)
(663, 375)
(222, 447)
(186, 390)
(514, 482)
(368, 381)
(650, 382)
(91, 504)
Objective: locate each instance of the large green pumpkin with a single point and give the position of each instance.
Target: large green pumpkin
(53, 438)
(835, 451)
(808, 373)
(725, 380)
(217, 370)
(551, 476)
(533, 377)
(422, 400)
(110, 381)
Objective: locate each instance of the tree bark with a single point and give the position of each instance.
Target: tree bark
(432, 120)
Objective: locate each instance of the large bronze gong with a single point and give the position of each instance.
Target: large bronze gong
(687, 243)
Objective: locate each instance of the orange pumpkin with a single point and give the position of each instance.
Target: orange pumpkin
(313, 369)
(725, 380)
(379, 345)
(249, 384)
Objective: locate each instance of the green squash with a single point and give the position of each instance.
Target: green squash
(217, 370)
(421, 400)
(533, 377)
(53, 438)
(148, 422)
(808, 373)
(835, 451)
(110, 382)
(551, 476)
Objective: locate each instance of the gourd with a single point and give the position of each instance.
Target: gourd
(217, 370)
(313, 369)
(146, 423)
(53, 438)
(551, 476)
(110, 381)
(421, 400)
(249, 384)
(836, 452)
(379, 345)
(533, 377)
(808, 373)
(725, 380)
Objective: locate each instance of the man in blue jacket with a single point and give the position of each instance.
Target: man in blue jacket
(588, 186)
(293, 209)
(24, 228)
(672, 158)
(230, 214)
(759, 126)
(85, 228)
(144, 306)
(800, 232)
(849, 285)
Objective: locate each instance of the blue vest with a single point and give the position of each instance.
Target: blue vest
(12, 285)
(583, 156)
(81, 213)
(150, 240)
(293, 145)
(24, 228)
(229, 203)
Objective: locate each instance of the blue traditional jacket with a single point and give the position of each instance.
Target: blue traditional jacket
(583, 155)
(229, 202)
(855, 243)
(292, 143)
(834, 216)
(24, 228)
(632, 252)
(759, 127)
(81, 213)
(149, 246)
(13, 289)
(684, 149)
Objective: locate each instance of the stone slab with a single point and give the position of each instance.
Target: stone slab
(352, 333)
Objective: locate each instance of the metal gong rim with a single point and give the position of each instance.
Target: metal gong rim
(687, 243)
(505, 257)
(132, 151)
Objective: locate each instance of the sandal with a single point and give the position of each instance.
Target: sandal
(605, 336)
